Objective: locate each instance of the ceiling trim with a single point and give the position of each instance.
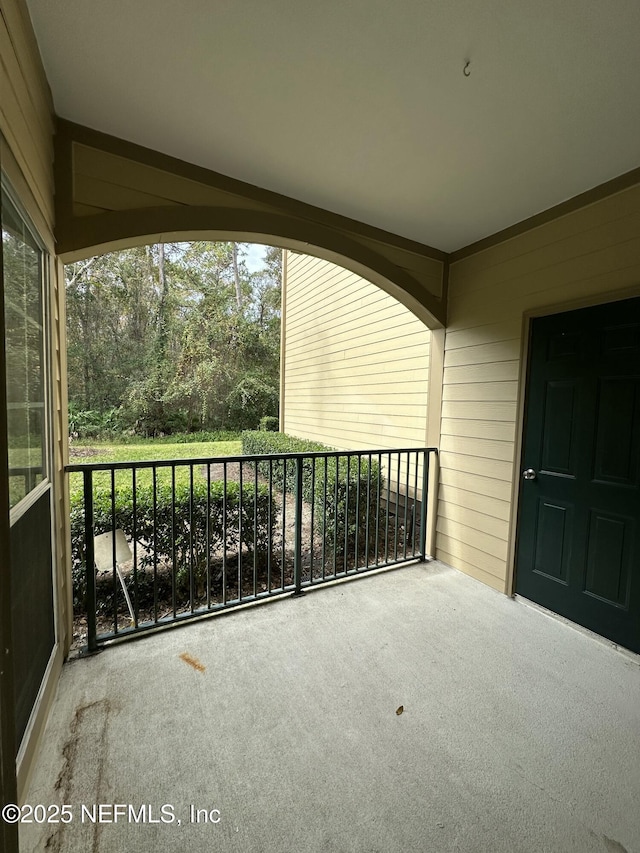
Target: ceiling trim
(591, 196)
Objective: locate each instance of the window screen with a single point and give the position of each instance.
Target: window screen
(25, 353)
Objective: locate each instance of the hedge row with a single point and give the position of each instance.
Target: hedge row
(258, 442)
(269, 423)
(340, 523)
(176, 526)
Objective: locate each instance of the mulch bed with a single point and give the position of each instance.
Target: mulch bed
(83, 452)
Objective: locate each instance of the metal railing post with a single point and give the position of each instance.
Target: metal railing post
(297, 554)
(90, 562)
(423, 505)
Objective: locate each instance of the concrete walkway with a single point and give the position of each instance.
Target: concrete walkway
(280, 725)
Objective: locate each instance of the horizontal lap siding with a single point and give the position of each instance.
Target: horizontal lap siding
(590, 255)
(356, 361)
(26, 112)
(112, 182)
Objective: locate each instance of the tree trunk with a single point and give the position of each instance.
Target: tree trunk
(236, 276)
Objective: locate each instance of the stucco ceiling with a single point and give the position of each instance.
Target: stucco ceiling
(362, 106)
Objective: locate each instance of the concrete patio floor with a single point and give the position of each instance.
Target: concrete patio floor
(519, 733)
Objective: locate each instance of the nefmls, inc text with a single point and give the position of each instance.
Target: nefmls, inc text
(127, 813)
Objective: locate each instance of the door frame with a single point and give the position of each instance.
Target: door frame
(8, 773)
(525, 355)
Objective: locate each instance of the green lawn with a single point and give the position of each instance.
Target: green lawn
(149, 451)
(23, 457)
(155, 449)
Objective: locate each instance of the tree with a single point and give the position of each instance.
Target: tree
(175, 336)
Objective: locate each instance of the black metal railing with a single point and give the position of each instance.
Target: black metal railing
(155, 543)
(30, 475)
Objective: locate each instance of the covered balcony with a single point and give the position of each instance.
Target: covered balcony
(416, 709)
(480, 169)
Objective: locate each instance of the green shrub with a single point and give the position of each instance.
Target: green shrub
(85, 423)
(269, 424)
(350, 492)
(341, 521)
(249, 400)
(257, 442)
(147, 410)
(180, 529)
(204, 436)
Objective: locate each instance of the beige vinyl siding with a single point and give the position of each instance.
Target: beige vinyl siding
(587, 256)
(108, 196)
(355, 363)
(111, 182)
(26, 108)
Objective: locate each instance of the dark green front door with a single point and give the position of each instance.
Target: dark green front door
(578, 549)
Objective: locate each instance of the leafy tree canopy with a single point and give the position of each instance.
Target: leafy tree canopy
(173, 337)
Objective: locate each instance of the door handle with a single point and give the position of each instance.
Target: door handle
(529, 474)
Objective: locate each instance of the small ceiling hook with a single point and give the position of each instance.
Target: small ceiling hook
(465, 70)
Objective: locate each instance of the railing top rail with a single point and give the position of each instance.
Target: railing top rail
(212, 460)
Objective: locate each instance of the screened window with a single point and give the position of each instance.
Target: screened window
(25, 351)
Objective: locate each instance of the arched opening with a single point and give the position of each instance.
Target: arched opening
(111, 194)
(382, 484)
(393, 280)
